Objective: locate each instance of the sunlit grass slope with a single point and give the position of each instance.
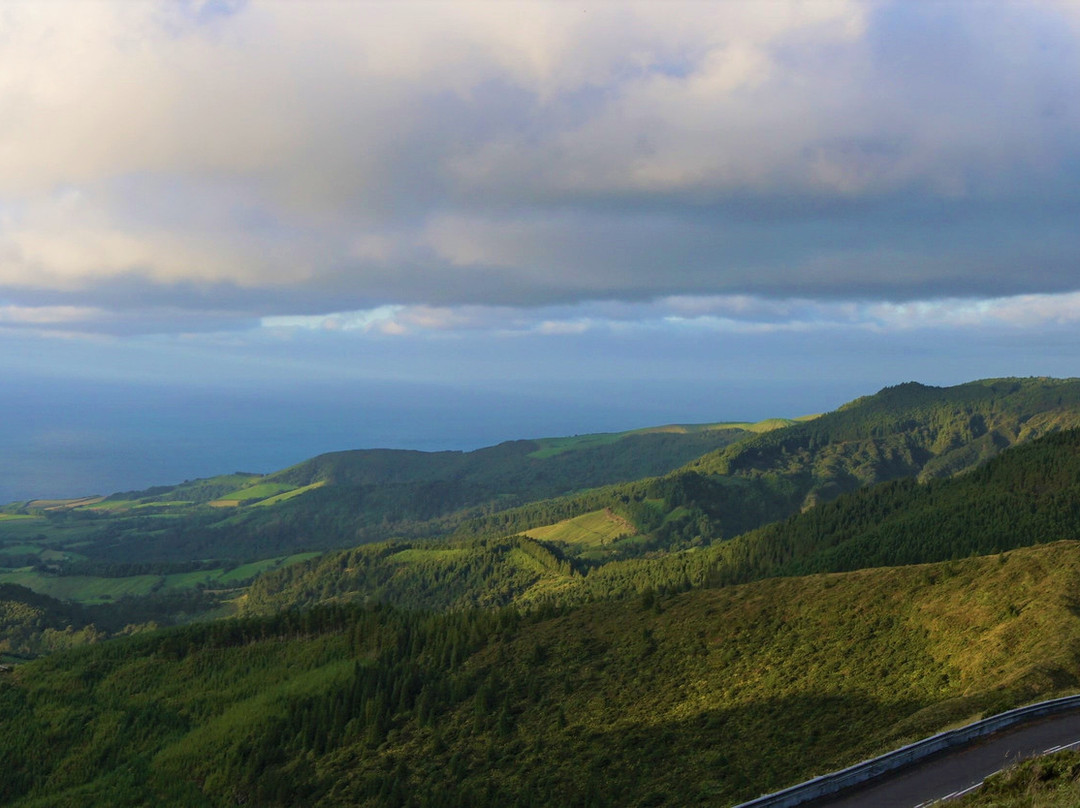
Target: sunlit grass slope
(1051, 781)
(704, 698)
(1027, 495)
(597, 527)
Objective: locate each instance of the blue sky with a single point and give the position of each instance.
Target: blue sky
(607, 213)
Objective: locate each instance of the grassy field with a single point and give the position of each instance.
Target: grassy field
(259, 491)
(62, 504)
(20, 549)
(415, 555)
(589, 529)
(92, 589)
(1048, 781)
(81, 588)
(286, 495)
(15, 528)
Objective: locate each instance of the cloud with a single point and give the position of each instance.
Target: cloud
(731, 314)
(225, 162)
(48, 315)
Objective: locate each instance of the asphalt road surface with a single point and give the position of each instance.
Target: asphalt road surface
(951, 773)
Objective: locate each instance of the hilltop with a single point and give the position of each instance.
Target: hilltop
(910, 430)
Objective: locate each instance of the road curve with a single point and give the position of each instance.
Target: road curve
(951, 772)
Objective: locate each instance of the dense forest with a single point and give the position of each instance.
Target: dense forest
(1028, 495)
(689, 615)
(910, 430)
(706, 697)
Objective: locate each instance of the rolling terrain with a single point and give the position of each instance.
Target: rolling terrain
(706, 697)
(1027, 495)
(338, 499)
(715, 482)
(689, 615)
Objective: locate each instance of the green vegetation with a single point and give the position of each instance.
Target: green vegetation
(597, 527)
(258, 491)
(1050, 781)
(32, 624)
(910, 430)
(1028, 495)
(91, 589)
(427, 575)
(195, 491)
(704, 698)
(549, 595)
(287, 495)
(342, 499)
(349, 498)
(549, 447)
(81, 588)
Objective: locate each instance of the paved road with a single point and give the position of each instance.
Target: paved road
(952, 772)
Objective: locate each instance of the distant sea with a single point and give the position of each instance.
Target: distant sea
(63, 438)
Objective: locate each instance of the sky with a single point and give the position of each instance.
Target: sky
(253, 231)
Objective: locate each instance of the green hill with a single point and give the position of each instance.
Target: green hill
(729, 479)
(906, 432)
(342, 499)
(704, 698)
(31, 623)
(585, 498)
(1027, 495)
(518, 471)
(523, 641)
(910, 430)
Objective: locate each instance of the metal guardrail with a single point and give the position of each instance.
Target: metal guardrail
(863, 772)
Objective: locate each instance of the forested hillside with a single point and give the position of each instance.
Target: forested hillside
(703, 698)
(910, 430)
(32, 624)
(336, 500)
(1027, 495)
(625, 625)
(351, 498)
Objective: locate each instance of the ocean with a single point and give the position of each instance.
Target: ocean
(65, 438)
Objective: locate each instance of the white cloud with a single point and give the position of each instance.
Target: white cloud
(743, 314)
(50, 315)
(335, 155)
(1021, 311)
